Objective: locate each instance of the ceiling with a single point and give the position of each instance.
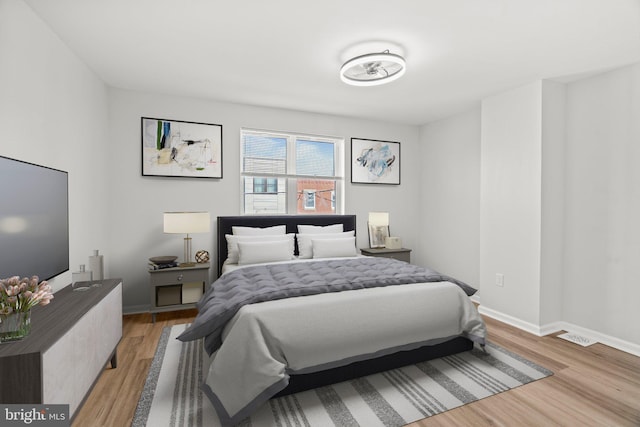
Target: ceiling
(287, 53)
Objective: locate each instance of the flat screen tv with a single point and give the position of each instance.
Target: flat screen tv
(34, 220)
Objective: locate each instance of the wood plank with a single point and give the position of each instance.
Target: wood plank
(591, 386)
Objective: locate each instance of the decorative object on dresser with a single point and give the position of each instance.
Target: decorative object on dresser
(81, 278)
(202, 256)
(177, 288)
(375, 162)
(185, 223)
(159, 262)
(402, 254)
(378, 226)
(71, 340)
(17, 297)
(391, 242)
(177, 148)
(96, 265)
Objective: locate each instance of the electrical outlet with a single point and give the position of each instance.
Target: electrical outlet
(500, 279)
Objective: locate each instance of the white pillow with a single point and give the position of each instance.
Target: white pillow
(232, 243)
(330, 248)
(257, 252)
(257, 231)
(305, 246)
(320, 229)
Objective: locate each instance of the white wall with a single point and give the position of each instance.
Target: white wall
(137, 202)
(510, 201)
(53, 112)
(602, 231)
(552, 203)
(450, 196)
(522, 203)
(560, 204)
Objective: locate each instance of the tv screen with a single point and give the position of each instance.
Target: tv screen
(34, 220)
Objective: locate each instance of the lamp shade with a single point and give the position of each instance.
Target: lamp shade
(379, 218)
(186, 222)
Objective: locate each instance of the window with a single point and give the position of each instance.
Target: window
(265, 185)
(309, 199)
(289, 173)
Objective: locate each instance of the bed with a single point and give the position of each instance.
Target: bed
(269, 348)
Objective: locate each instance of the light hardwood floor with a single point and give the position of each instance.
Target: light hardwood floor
(592, 386)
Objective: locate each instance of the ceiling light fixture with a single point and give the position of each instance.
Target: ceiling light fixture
(373, 69)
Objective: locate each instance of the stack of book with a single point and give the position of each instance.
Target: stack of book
(154, 266)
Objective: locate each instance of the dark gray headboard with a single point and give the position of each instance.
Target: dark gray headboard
(291, 221)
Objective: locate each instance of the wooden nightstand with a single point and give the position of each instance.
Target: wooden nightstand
(177, 288)
(402, 254)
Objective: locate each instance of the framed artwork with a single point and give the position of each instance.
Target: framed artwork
(378, 235)
(375, 162)
(177, 148)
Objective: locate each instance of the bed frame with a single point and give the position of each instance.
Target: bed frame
(291, 221)
(301, 382)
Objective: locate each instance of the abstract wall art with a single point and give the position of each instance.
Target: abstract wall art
(375, 162)
(177, 148)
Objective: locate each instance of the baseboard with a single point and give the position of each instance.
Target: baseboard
(510, 320)
(605, 339)
(552, 328)
(135, 309)
(622, 345)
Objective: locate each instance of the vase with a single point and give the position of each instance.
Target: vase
(15, 326)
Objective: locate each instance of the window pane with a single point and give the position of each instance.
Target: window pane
(309, 199)
(258, 201)
(322, 191)
(314, 158)
(272, 185)
(265, 185)
(259, 185)
(264, 154)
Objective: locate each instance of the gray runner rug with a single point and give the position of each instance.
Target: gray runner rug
(171, 396)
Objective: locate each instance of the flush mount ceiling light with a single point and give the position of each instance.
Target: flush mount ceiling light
(373, 69)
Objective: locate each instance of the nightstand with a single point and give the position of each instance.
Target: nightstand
(177, 288)
(402, 254)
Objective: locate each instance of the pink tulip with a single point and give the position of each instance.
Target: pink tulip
(21, 294)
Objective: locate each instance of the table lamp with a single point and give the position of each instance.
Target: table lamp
(186, 223)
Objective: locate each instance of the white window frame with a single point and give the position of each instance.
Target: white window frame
(290, 176)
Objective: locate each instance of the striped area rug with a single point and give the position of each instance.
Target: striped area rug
(171, 396)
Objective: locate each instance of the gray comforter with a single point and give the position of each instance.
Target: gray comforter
(264, 343)
(272, 282)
